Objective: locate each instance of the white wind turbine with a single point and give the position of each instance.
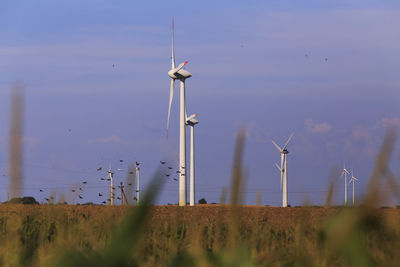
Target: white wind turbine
(178, 73)
(191, 121)
(283, 169)
(353, 180)
(344, 173)
(110, 177)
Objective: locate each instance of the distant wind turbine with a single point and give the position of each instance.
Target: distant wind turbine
(353, 180)
(179, 73)
(283, 169)
(344, 173)
(191, 121)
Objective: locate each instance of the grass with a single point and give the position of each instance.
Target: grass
(209, 235)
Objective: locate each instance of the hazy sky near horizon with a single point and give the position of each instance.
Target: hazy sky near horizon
(326, 71)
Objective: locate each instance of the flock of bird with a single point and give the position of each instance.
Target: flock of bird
(80, 189)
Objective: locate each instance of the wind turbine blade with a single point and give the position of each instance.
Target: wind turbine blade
(280, 150)
(171, 96)
(173, 49)
(180, 66)
(277, 166)
(287, 142)
(281, 179)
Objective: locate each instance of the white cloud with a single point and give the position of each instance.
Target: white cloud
(105, 140)
(317, 128)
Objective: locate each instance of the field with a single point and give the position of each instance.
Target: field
(211, 235)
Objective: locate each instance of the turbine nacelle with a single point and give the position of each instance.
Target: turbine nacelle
(179, 73)
(191, 120)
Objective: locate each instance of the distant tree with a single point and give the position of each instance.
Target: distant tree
(22, 200)
(203, 201)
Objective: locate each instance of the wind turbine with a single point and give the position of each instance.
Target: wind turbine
(352, 180)
(179, 73)
(191, 121)
(283, 169)
(137, 183)
(344, 173)
(110, 176)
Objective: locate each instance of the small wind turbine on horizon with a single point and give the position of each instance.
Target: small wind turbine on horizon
(179, 73)
(283, 169)
(344, 173)
(191, 121)
(353, 180)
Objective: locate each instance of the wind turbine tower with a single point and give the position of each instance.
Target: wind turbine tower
(179, 73)
(344, 173)
(191, 121)
(283, 170)
(110, 176)
(137, 183)
(353, 180)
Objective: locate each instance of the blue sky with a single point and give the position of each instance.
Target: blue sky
(328, 72)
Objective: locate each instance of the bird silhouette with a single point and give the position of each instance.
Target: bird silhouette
(104, 202)
(162, 162)
(129, 184)
(119, 198)
(102, 179)
(84, 182)
(41, 190)
(167, 175)
(73, 190)
(137, 163)
(100, 195)
(178, 172)
(80, 197)
(121, 160)
(99, 169)
(170, 168)
(175, 179)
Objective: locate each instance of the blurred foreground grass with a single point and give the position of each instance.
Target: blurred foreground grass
(217, 235)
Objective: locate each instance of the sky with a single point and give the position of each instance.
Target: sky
(327, 71)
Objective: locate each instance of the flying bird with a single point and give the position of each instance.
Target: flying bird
(100, 195)
(121, 160)
(80, 188)
(162, 162)
(167, 175)
(80, 197)
(178, 172)
(99, 169)
(170, 168)
(73, 190)
(104, 202)
(175, 179)
(119, 198)
(130, 172)
(129, 184)
(102, 179)
(138, 163)
(41, 190)
(84, 182)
